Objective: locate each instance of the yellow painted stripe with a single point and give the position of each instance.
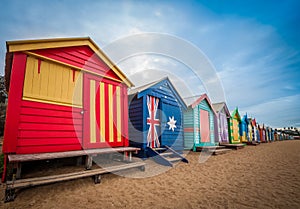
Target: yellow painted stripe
(71, 66)
(110, 110)
(102, 113)
(28, 98)
(92, 112)
(119, 139)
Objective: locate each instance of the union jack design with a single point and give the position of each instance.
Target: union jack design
(152, 137)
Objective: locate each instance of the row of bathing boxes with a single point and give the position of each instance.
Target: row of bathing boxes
(68, 99)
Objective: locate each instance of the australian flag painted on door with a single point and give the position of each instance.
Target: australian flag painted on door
(155, 116)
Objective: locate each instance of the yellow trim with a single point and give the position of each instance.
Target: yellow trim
(50, 102)
(68, 65)
(25, 45)
(92, 112)
(102, 113)
(111, 113)
(119, 138)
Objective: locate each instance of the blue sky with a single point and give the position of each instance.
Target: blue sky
(254, 46)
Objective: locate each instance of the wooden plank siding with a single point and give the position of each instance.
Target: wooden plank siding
(135, 122)
(81, 56)
(44, 127)
(170, 105)
(64, 94)
(190, 131)
(193, 136)
(52, 83)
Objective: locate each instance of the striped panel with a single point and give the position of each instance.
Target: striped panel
(111, 113)
(105, 114)
(51, 83)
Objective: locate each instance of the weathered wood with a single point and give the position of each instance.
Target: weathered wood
(173, 159)
(54, 155)
(176, 154)
(88, 162)
(69, 176)
(165, 154)
(19, 169)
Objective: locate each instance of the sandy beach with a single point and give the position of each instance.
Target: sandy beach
(264, 176)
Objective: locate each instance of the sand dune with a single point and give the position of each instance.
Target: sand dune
(265, 176)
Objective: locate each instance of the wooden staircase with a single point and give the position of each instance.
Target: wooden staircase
(165, 156)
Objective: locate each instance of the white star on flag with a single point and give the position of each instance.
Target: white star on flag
(172, 123)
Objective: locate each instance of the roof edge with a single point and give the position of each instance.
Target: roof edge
(34, 44)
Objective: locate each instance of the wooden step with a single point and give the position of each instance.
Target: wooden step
(173, 159)
(159, 148)
(55, 155)
(165, 154)
(21, 183)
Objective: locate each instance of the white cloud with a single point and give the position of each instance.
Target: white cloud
(279, 112)
(253, 63)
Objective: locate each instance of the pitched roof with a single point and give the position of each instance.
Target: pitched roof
(221, 105)
(140, 90)
(195, 100)
(236, 112)
(26, 45)
(146, 86)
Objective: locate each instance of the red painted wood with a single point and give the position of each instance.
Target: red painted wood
(115, 116)
(86, 107)
(74, 56)
(47, 141)
(14, 101)
(45, 112)
(87, 124)
(125, 116)
(23, 134)
(46, 106)
(39, 66)
(43, 124)
(34, 127)
(97, 103)
(47, 127)
(52, 148)
(74, 72)
(50, 120)
(191, 130)
(107, 132)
